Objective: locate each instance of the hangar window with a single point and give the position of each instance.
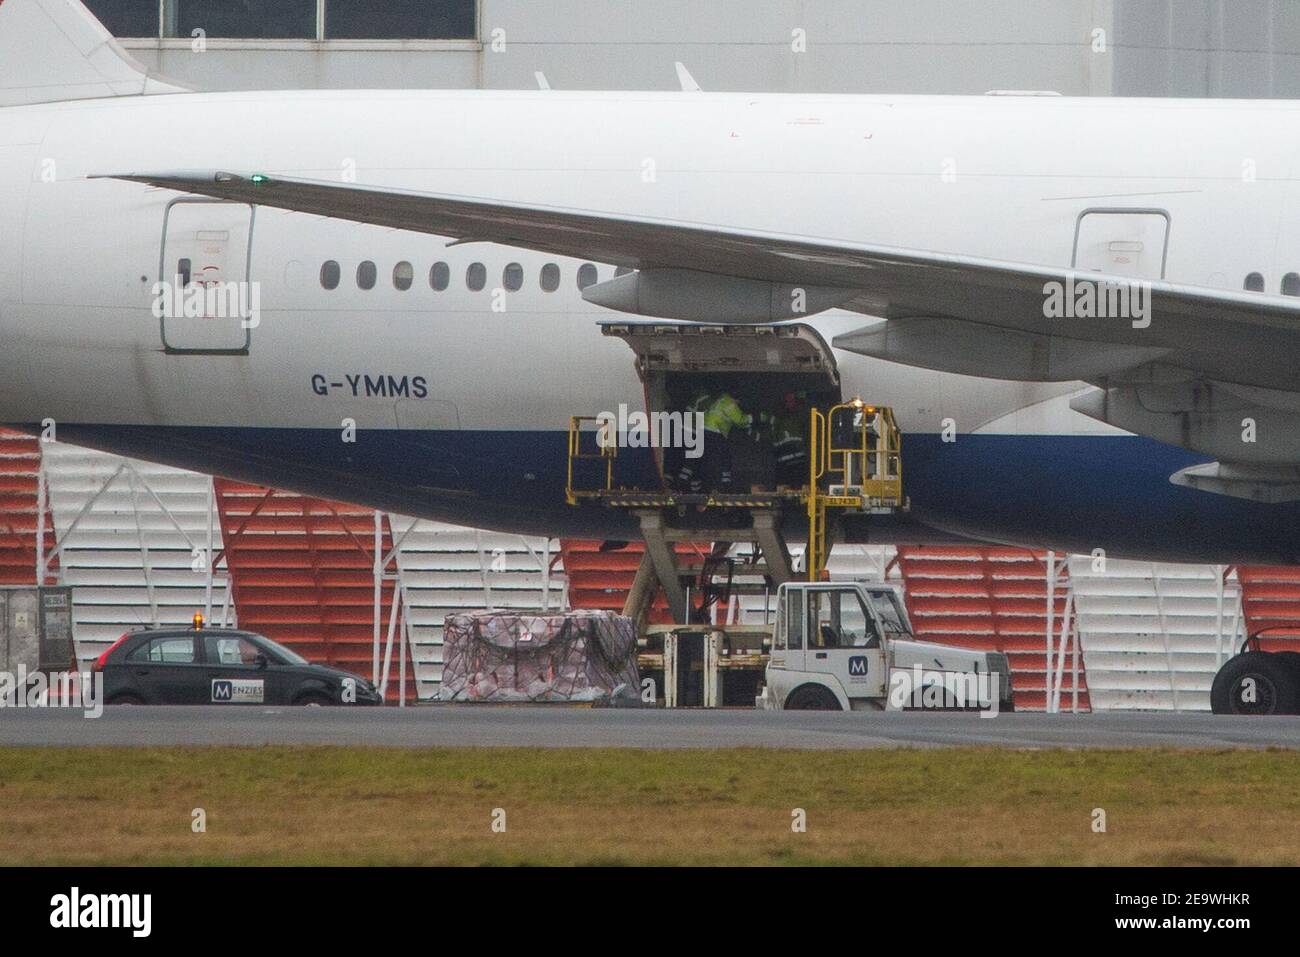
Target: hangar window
(1255, 282)
(587, 276)
(550, 277)
(400, 20)
(1291, 284)
(245, 19)
(367, 274)
(290, 19)
(476, 277)
(513, 277)
(403, 276)
(330, 274)
(127, 18)
(440, 277)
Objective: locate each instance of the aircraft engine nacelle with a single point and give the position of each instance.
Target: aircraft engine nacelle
(705, 297)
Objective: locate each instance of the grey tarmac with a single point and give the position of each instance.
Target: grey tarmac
(572, 727)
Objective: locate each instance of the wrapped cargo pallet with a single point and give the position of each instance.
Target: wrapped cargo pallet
(498, 656)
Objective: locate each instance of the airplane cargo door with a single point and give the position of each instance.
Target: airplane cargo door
(204, 299)
(1122, 242)
(758, 365)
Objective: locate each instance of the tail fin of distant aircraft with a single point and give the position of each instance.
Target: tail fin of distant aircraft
(53, 50)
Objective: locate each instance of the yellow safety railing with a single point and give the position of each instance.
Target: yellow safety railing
(607, 451)
(862, 472)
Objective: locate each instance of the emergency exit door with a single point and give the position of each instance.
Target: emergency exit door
(1122, 242)
(205, 300)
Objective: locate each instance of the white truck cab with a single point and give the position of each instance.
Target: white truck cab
(840, 646)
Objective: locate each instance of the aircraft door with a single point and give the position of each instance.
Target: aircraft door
(1122, 242)
(204, 300)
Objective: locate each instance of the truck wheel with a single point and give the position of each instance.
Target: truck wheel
(1292, 659)
(1256, 682)
(812, 698)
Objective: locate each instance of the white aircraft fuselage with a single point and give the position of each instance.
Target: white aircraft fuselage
(461, 397)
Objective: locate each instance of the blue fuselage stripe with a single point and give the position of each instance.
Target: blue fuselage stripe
(1076, 493)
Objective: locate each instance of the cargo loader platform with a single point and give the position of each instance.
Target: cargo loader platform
(854, 453)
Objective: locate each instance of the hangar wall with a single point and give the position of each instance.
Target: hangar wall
(1212, 48)
(852, 46)
(1242, 48)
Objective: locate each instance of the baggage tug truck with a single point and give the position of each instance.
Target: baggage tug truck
(841, 646)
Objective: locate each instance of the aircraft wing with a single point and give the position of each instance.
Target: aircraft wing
(1183, 364)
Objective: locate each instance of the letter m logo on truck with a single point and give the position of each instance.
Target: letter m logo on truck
(858, 666)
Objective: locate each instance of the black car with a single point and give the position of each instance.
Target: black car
(221, 666)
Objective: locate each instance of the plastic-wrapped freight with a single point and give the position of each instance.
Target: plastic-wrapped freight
(581, 656)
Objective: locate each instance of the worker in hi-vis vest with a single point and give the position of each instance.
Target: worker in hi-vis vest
(790, 442)
(721, 416)
(684, 472)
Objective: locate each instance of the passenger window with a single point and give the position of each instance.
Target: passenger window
(440, 277)
(1291, 284)
(226, 650)
(166, 651)
(367, 275)
(587, 276)
(476, 277)
(184, 272)
(403, 276)
(778, 633)
(1255, 282)
(330, 275)
(550, 277)
(513, 277)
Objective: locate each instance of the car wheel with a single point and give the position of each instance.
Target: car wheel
(128, 699)
(1256, 682)
(812, 698)
(313, 699)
